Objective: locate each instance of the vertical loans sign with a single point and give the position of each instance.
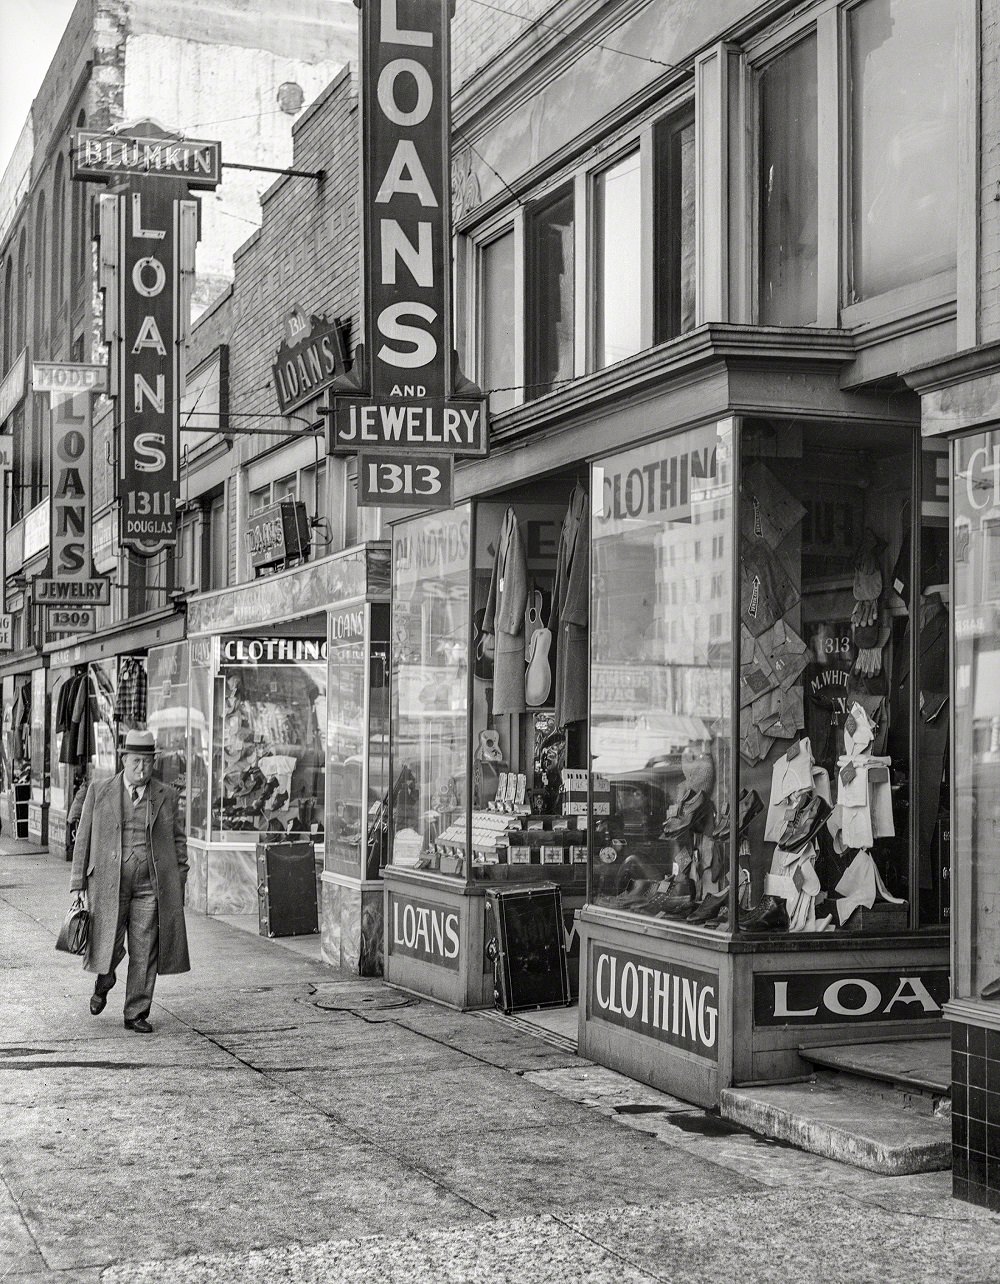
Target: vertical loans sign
(149, 397)
(70, 589)
(148, 233)
(409, 396)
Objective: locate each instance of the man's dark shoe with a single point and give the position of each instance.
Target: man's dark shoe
(140, 1025)
(748, 805)
(805, 824)
(676, 898)
(991, 991)
(98, 1002)
(709, 907)
(769, 916)
(690, 812)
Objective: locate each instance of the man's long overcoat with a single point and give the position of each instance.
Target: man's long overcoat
(97, 865)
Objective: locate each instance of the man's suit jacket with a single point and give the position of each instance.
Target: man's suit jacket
(97, 866)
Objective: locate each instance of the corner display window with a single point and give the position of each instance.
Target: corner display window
(824, 569)
(976, 818)
(661, 676)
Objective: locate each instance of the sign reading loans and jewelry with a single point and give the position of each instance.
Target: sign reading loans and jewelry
(854, 998)
(311, 356)
(674, 1004)
(70, 589)
(405, 392)
(148, 233)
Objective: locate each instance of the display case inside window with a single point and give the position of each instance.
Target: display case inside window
(825, 567)
(661, 677)
(270, 726)
(377, 856)
(976, 817)
(429, 690)
(529, 685)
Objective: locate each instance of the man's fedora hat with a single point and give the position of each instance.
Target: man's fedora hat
(140, 742)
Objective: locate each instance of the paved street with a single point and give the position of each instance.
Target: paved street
(287, 1122)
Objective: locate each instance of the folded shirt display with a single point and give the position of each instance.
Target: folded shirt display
(860, 885)
(785, 653)
(766, 590)
(771, 511)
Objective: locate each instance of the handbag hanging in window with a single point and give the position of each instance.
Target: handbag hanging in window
(538, 674)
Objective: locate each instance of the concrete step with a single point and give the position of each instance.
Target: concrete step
(844, 1124)
(914, 1065)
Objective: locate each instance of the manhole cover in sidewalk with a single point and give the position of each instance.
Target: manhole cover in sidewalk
(348, 1000)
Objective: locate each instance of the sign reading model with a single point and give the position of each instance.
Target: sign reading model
(404, 393)
(148, 230)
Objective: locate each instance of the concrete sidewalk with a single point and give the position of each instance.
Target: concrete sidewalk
(289, 1122)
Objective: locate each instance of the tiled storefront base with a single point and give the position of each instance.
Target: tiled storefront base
(975, 1103)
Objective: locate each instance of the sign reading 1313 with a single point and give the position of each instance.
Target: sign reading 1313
(423, 481)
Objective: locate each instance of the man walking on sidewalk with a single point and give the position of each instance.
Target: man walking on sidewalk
(130, 859)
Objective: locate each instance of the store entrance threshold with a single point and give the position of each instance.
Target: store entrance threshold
(557, 1026)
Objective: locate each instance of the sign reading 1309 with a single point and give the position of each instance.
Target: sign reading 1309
(424, 481)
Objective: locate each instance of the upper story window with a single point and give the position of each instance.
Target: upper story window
(857, 170)
(496, 291)
(58, 269)
(904, 142)
(674, 226)
(618, 284)
(788, 210)
(550, 300)
(38, 268)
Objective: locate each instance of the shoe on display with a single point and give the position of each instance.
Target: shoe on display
(991, 991)
(806, 822)
(709, 907)
(676, 899)
(640, 889)
(685, 814)
(769, 916)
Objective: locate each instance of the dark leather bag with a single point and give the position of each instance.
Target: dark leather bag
(75, 931)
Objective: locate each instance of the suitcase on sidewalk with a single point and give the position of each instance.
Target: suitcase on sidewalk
(526, 941)
(286, 889)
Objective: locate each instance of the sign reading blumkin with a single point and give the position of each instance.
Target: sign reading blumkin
(98, 155)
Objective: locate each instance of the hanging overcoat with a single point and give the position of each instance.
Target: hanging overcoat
(97, 866)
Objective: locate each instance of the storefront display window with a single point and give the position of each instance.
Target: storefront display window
(661, 674)
(529, 687)
(346, 740)
(976, 818)
(378, 742)
(270, 726)
(430, 644)
(199, 725)
(824, 650)
(167, 704)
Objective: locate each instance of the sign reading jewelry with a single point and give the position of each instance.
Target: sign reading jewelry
(148, 228)
(405, 393)
(674, 1004)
